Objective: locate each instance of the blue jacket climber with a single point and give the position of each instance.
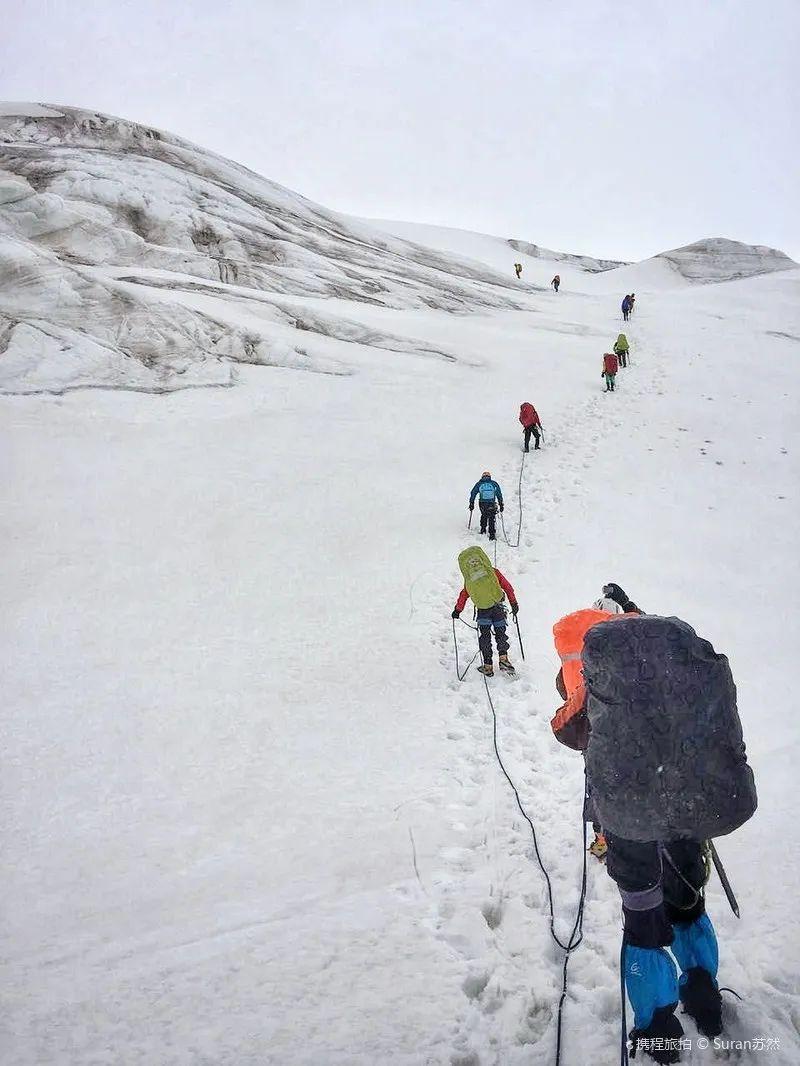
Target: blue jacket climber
(488, 490)
(490, 498)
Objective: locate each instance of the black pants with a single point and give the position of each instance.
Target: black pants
(654, 895)
(623, 358)
(488, 513)
(527, 431)
(625, 315)
(492, 618)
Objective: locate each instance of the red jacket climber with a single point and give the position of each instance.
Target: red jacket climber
(531, 423)
(488, 619)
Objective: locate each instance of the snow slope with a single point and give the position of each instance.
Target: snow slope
(704, 262)
(250, 815)
(93, 209)
(495, 251)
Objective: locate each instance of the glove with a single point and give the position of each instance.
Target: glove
(455, 613)
(620, 596)
(615, 593)
(515, 609)
(472, 507)
(501, 508)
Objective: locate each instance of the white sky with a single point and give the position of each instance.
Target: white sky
(611, 128)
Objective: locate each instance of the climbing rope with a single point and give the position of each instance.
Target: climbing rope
(623, 1050)
(519, 501)
(576, 935)
(459, 675)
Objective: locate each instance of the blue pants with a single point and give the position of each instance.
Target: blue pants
(661, 910)
(492, 618)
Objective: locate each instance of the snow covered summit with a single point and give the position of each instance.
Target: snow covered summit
(720, 259)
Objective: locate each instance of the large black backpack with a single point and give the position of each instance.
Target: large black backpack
(666, 757)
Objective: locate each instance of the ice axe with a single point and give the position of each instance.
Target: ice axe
(723, 877)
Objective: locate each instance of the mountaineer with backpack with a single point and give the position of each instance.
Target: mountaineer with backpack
(621, 349)
(626, 307)
(653, 707)
(556, 282)
(609, 371)
(531, 423)
(518, 269)
(489, 498)
(569, 725)
(487, 588)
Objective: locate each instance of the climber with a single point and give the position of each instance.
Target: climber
(621, 349)
(631, 678)
(531, 424)
(487, 588)
(490, 497)
(609, 371)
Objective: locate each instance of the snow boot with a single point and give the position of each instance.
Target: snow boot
(506, 665)
(701, 1000)
(661, 1039)
(598, 847)
(487, 670)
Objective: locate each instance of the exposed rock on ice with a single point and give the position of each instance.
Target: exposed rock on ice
(85, 198)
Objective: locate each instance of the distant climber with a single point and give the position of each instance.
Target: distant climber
(518, 268)
(632, 299)
(609, 371)
(621, 349)
(556, 282)
(653, 707)
(489, 499)
(487, 588)
(531, 424)
(626, 307)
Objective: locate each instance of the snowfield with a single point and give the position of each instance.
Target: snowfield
(251, 816)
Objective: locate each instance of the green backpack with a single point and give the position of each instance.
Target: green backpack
(480, 580)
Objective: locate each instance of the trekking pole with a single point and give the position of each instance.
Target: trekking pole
(723, 878)
(459, 675)
(469, 524)
(519, 637)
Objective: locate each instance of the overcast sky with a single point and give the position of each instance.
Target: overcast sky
(610, 128)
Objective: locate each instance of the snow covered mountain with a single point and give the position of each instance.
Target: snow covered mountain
(250, 814)
(131, 258)
(719, 259)
(705, 262)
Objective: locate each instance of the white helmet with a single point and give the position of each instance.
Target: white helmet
(605, 603)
